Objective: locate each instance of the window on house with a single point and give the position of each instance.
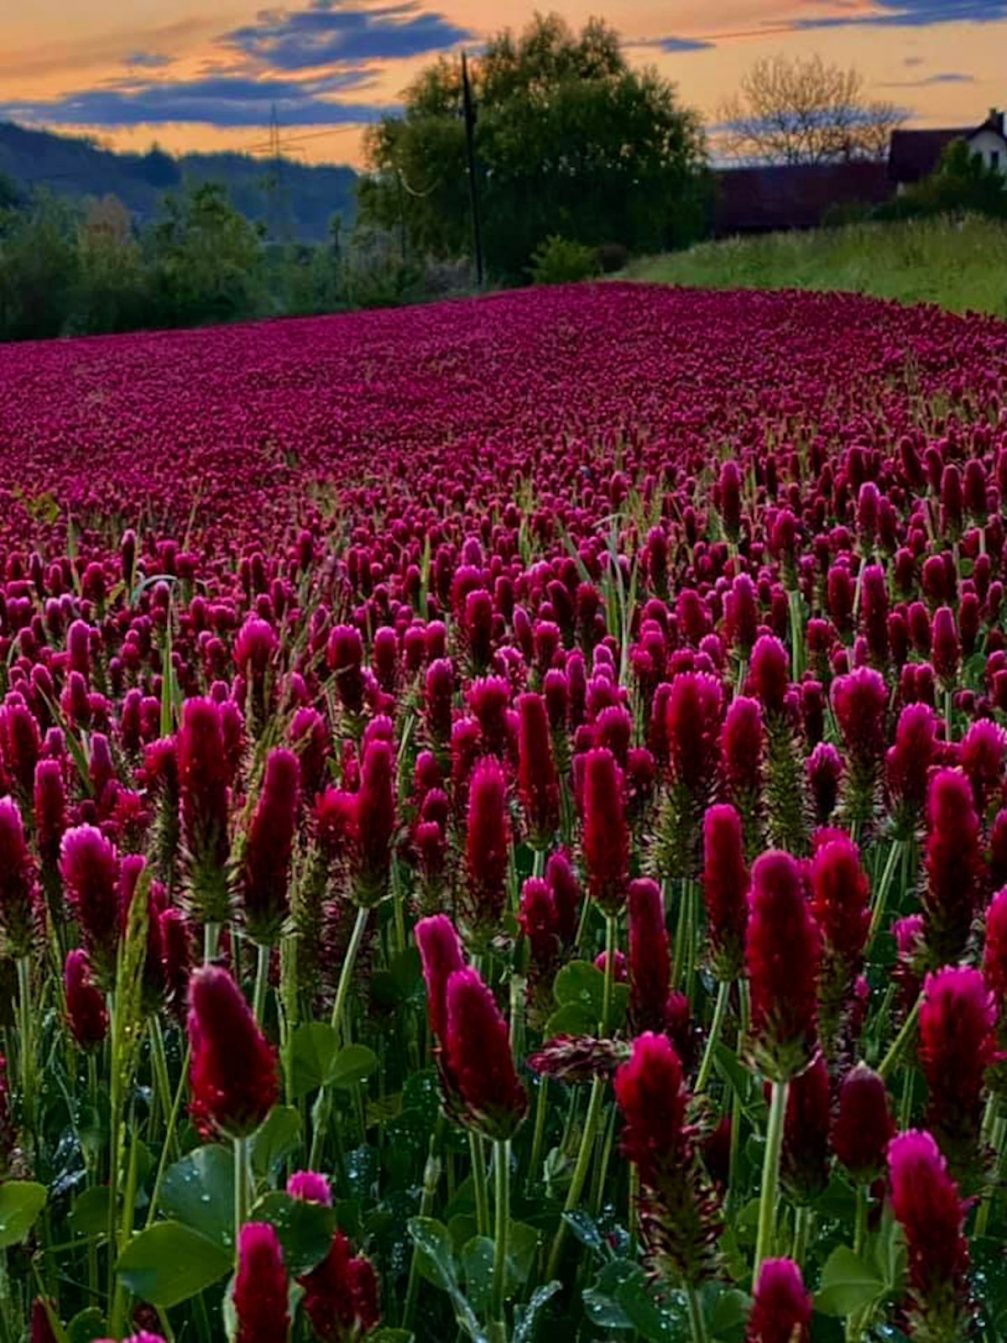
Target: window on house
(995, 158)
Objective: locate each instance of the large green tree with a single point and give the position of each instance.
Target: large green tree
(570, 140)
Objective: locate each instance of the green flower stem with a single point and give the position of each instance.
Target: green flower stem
(611, 945)
(479, 1188)
(716, 1026)
(431, 1179)
(211, 942)
(323, 1105)
(770, 1175)
(881, 897)
(580, 1171)
(697, 1324)
(124, 1234)
(796, 633)
(501, 1174)
(901, 1040)
(997, 1134)
(349, 961)
(159, 1066)
(241, 1189)
(802, 1232)
(855, 1323)
(27, 1042)
(538, 1132)
(261, 982)
(169, 1138)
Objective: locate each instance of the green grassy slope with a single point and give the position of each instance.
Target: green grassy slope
(960, 265)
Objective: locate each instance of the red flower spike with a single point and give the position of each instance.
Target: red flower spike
(927, 1204)
(260, 1287)
(233, 1075)
(782, 1306)
(479, 1058)
(605, 835)
(649, 958)
(782, 953)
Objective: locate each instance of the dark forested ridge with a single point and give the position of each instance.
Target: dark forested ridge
(301, 204)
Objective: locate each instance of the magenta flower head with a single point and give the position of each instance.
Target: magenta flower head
(487, 851)
(769, 673)
(203, 778)
(781, 1307)
(804, 1164)
(840, 903)
(605, 835)
(679, 1209)
(341, 1295)
(926, 1203)
(741, 749)
(725, 889)
(995, 950)
(265, 866)
(345, 656)
(693, 718)
(649, 959)
(907, 765)
(782, 953)
(89, 866)
(946, 651)
(859, 702)
(538, 781)
(232, 1076)
(874, 612)
(957, 1044)
(480, 1060)
(310, 1187)
(260, 1287)
(87, 1016)
(49, 812)
(981, 758)
(953, 864)
(863, 1124)
(375, 823)
(18, 893)
(441, 955)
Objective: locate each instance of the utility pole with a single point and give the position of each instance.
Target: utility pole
(468, 110)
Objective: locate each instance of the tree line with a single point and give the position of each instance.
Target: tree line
(571, 160)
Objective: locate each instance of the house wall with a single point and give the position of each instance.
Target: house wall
(992, 149)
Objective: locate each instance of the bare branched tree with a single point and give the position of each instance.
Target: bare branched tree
(804, 110)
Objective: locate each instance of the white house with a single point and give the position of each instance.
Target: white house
(914, 154)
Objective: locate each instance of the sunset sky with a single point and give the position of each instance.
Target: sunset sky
(199, 76)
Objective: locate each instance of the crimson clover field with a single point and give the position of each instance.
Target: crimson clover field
(503, 825)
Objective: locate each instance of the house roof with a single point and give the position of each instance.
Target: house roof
(794, 196)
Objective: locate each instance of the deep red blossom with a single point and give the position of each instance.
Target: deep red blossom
(87, 1015)
(375, 822)
(782, 1307)
(233, 1073)
(605, 835)
(265, 869)
(927, 1204)
(341, 1294)
(953, 864)
(649, 955)
(957, 1044)
(650, 1092)
(538, 780)
(769, 673)
(782, 954)
(694, 709)
(260, 1286)
(487, 848)
(441, 955)
(863, 1123)
(725, 888)
(479, 1057)
(89, 866)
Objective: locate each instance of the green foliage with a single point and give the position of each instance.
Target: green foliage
(959, 264)
(961, 184)
(569, 141)
(560, 261)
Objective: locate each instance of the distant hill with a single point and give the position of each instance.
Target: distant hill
(301, 208)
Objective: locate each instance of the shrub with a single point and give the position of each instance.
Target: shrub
(562, 261)
(611, 257)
